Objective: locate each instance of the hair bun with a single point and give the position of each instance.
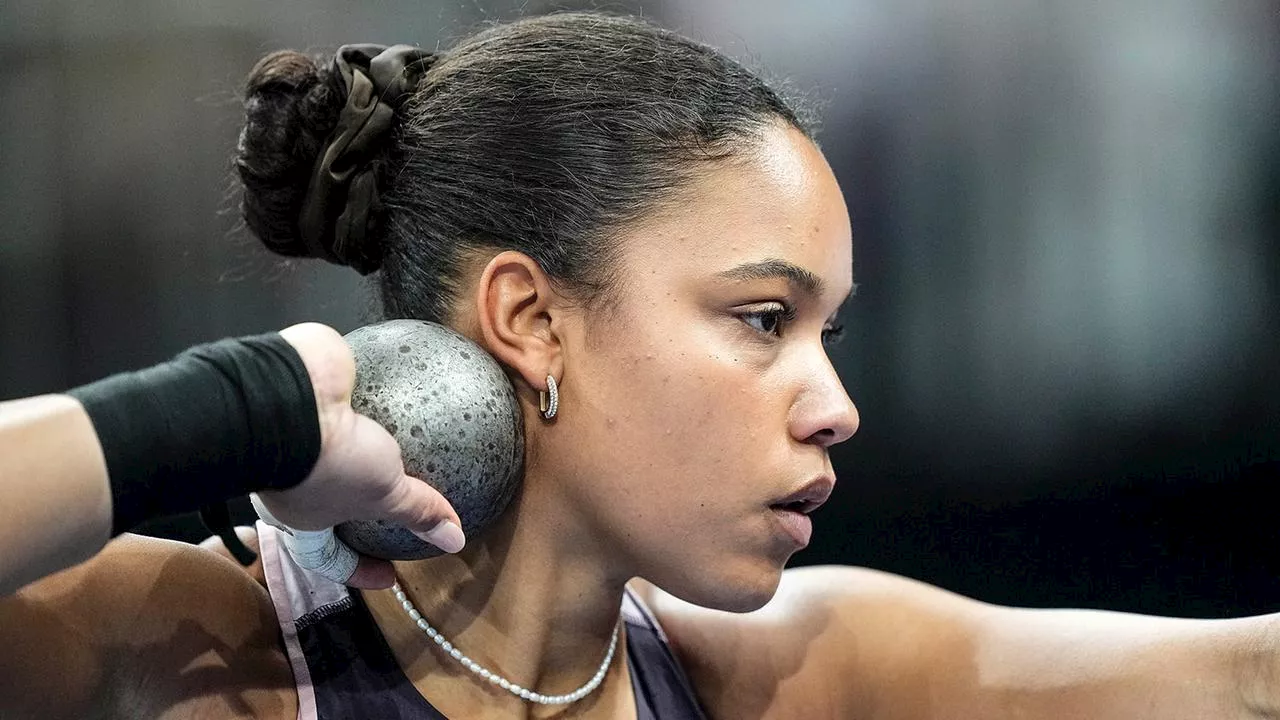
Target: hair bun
(291, 106)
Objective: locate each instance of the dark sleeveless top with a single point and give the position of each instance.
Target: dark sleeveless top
(344, 668)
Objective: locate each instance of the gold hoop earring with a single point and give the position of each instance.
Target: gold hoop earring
(549, 399)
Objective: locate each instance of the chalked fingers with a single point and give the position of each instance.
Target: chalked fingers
(323, 553)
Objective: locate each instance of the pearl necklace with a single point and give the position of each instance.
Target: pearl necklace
(496, 679)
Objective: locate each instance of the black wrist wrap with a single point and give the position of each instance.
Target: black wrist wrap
(218, 421)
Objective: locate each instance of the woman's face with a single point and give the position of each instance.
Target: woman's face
(696, 403)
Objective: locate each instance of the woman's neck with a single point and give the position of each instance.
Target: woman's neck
(533, 599)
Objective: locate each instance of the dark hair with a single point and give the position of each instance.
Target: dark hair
(541, 136)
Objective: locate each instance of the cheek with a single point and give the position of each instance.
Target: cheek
(685, 419)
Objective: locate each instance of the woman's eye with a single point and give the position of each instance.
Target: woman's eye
(768, 322)
(772, 320)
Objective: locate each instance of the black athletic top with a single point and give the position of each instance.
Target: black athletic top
(343, 667)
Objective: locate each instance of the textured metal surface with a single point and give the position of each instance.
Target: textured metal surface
(455, 415)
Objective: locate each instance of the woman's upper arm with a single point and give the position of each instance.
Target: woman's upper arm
(147, 627)
(857, 643)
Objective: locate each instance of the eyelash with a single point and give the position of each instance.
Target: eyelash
(784, 314)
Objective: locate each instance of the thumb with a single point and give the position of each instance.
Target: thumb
(422, 510)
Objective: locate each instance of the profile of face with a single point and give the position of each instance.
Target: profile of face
(695, 391)
(699, 399)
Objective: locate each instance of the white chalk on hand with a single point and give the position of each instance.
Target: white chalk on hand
(319, 551)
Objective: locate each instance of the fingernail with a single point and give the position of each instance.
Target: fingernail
(447, 536)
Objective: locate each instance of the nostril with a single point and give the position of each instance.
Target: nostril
(827, 437)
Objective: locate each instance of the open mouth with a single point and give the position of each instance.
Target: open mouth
(804, 507)
(807, 498)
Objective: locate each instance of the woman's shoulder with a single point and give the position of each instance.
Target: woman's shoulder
(827, 644)
(146, 627)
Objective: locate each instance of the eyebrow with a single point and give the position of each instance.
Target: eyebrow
(796, 276)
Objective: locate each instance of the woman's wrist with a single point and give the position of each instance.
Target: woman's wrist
(219, 421)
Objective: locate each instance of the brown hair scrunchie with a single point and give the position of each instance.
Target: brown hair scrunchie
(341, 204)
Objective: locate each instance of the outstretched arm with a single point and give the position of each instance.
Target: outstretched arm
(857, 643)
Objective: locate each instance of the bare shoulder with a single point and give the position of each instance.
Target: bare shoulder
(834, 641)
(147, 627)
(249, 538)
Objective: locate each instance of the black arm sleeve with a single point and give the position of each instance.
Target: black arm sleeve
(219, 421)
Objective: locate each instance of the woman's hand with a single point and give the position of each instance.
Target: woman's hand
(359, 475)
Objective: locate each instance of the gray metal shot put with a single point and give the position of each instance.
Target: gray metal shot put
(455, 415)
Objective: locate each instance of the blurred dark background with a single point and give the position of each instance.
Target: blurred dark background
(1066, 341)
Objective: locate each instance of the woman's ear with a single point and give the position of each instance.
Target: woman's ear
(518, 317)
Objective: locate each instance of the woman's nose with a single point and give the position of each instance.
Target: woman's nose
(826, 414)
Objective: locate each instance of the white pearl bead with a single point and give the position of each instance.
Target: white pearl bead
(494, 678)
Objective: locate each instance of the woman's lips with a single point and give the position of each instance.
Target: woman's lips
(795, 525)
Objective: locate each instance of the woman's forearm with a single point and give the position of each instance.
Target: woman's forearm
(1256, 666)
(55, 499)
(1119, 665)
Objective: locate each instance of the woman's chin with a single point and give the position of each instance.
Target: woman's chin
(737, 593)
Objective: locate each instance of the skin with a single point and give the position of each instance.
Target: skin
(52, 468)
(682, 417)
(660, 388)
